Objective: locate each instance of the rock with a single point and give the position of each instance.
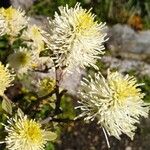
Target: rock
(126, 65)
(23, 4)
(71, 81)
(41, 21)
(124, 38)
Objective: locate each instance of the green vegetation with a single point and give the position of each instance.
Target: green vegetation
(133, 12)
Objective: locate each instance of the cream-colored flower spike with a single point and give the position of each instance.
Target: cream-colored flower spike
(76, 38)
(26, 134)
(2, 25)
(13, 20)
(116, 102)
(22, 60)
(5, 78)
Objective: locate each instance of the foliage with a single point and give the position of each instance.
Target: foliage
(110, 11)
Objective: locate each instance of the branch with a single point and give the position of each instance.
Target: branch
(46, 70)
(58, 96)
(59, 120)
(58, 101)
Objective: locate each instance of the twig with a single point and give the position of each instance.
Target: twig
(46, 70)
(59, 120)
(58, 95)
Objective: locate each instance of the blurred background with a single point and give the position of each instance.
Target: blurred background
(127, 50)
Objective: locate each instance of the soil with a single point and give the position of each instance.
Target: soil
(81, 136)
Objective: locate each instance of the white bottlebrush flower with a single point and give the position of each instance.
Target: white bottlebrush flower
(2, 25)
(116, 102)
(22, 60)
(5, 78)
(26, 134)
(33, 37)
(14, 20)
(76, 39)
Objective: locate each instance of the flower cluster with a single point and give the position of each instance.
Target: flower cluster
(2, 26)
(5, 78)
(46, 85)
(26, 134)
(22, 60)
(75, 38)
(12, 20)
(116, 102)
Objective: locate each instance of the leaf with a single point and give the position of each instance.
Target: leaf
(6, 105)
(53, 105)
(50, 136)
(50, 146)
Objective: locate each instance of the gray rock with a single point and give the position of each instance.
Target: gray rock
(41, 21)
(140, 67)
(23, 4)
(124, 38)
(71, 81)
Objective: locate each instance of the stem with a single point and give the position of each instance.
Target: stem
(59, 120)
(58, 74)
(46, 70)
(58, 96)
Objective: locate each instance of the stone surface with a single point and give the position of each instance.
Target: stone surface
(23, 4)
(126, 65)
(41, 21)
(124, 38)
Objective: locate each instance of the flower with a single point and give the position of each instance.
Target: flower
(75, 37)
(116, 102)
(46, 85)
(5, 78)
(2, 26)
(34, 38)
(22, 60)
(14, 20)
(26, 134)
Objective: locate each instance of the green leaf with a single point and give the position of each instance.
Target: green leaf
(6, 105)
(50, 136)
(50, 146)
(53, 105)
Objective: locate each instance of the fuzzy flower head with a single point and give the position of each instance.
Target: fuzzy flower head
(116, 102)
(26, 134)
(22, 60)
(2, 25)
(76, 39)
(46, 85)
(5, 78)
(34, 38)
(14, 20)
